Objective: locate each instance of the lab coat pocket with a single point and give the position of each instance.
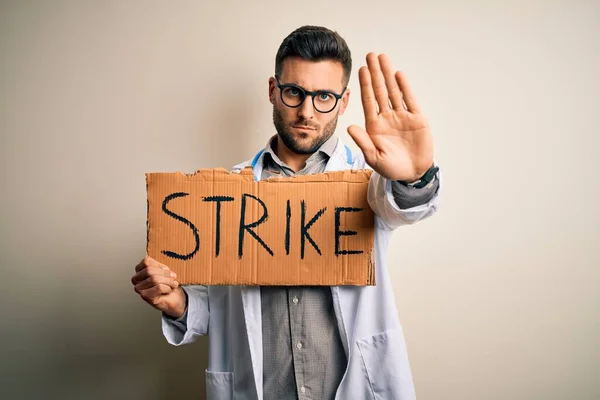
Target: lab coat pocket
(385, 364)
(219, 385)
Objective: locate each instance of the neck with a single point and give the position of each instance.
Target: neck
(293, 160)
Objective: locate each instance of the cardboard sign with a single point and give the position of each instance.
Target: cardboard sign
(216, 227)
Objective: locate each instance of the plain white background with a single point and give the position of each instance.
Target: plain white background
(498, 293)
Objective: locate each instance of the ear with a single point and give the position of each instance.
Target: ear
(272, 87)
(344, 101)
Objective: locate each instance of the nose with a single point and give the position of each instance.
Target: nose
(306, 109)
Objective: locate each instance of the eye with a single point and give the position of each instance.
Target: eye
(294, 91)
(325, 96)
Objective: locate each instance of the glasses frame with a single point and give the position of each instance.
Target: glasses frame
(306, 93)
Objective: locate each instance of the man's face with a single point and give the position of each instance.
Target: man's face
(303, 129)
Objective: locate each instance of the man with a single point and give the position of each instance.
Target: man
(337, 342)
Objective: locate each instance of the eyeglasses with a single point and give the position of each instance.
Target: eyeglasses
(293, 96)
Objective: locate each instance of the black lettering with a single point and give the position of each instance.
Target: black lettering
(305, 227)
(338, 233)
(288, 216)
(218, 200)
(185, 221)
(244, 227)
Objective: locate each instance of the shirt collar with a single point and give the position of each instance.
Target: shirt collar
(329, 146)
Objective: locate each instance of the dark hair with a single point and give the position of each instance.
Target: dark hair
(315, 43)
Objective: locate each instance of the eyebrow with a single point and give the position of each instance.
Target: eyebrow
(318, 90)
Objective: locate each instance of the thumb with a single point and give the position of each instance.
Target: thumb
(363, 141)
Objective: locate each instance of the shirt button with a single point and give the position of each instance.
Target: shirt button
(299, 345)
(295, 300)
(303, 389)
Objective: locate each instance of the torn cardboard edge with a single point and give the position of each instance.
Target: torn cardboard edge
(221, 174)
(218, 227)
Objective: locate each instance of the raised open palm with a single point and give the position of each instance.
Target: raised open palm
(396, 140)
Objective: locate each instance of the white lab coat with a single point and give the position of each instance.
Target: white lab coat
(367, 318)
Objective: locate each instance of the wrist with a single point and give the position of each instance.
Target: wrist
(178, 310)
(423, 180)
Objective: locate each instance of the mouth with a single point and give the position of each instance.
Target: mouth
(304, 128)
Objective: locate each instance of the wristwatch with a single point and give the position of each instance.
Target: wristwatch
(423, 181)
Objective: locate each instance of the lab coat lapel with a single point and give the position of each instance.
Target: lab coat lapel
(337, 162)
(253, 314)
(253, 318)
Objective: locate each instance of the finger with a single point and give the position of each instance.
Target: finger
(149, 262)
(408, 95)
(363, 140)
(381, 93)
(366, 94)
(393, 88)
(155, 291)
(150, 271)
(156, 280)
(141, 265)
